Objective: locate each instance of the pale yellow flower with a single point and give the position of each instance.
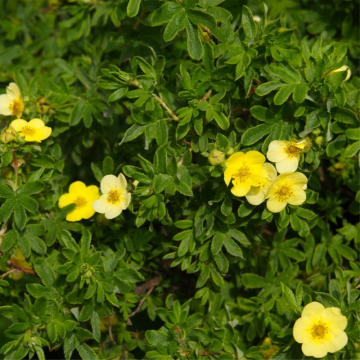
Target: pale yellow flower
(34, 130)
(343, 68)
(287, 188)
(245, 171)
(12, 103)
(286, 154)
(320, 330)
(115, 197)
(83, 196)
(257, 194)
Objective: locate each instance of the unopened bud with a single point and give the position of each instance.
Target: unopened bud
(53, 4)
(319, 140)
(337, 168)
(343, 68)
(317, 131)
(42, 105)
(205, 38)
(216, 157)
(8, 135)
(136, 183)
(7, 173)
(230, 151)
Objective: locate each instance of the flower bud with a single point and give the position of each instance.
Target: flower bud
(337, 168)
(319, 140)
(216, 157)
(317, 131)
(42, 105)
(205, 38)
(8, 135)
(343, 68)
(230, 151)
(7, 172)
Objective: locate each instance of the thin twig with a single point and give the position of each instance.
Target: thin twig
(110, 328)
(21, 268)
(185, 142)
(136, 26)
(207, 95)
(9, 272)
(162, 103)
(151, 284)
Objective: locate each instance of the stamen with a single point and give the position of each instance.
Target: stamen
(243, 174)
(113, 196)
(283, 192)
(80, 202)
(27, 130)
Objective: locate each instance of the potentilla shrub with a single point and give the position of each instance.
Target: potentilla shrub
(179, 180)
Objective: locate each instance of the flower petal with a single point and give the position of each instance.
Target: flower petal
(92, 193)
(254, 157)
(241, 189)
(123, 182)
(289, 164)
(300, 330)
(298, 178)
(276, 151)
(18, 124)
(113, 212)
(36, 123)
(235, 159)
(275, 205)
(13, 91)
(109, 182)
(87, 211)
(298, 197)
(43, 133)
(66, 199)
(313, 309)
(101, 205)
(227, 175)
(315, 349)
(5, 105)
(77, 188)
(126, 202)
(335, 318)
(258, 175)
(271, 171)
(256, 195)
(75, 215)
(337, 342)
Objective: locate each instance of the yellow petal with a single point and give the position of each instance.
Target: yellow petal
(126, 202)
(297, 178)
(334, 317)
(109, 182)
(101, 205)
(315, 349)
(36, 123)
(77, 188)
(123, 182)
(87, 211)
(43, 133)
(66, 199)
(337, 342)
(227, 175)
(258, 175)
(92, 193)
(13, 91)
(254, 158)
(298, 197)
(241, 189)
(255, 196)
(271, 171)
(113, 212)
(235, 159)
(18, 124)
(276, 151)
(275, 205)
(313, 309)
(5, 105)
(75, 215)
(300, 330)
(289, 164)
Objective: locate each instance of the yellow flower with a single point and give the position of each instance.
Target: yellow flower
(20, 260)
(320, 330)
(257, 194)
(12, 103)
(272, 349)
(83, 197)
(115, 197)
(34, 130)
(245, 171)
(286, 154)
(343, 68)
(287, 188)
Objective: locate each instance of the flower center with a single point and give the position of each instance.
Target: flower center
(244, 173)
(80, 202)
(17, 107)
(283, 192)
(113, 196)
(293, 151)
(27, 130)
(319, 331)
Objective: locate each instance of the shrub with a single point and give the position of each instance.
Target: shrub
(179, 179)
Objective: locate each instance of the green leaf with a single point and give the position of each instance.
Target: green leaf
(254, 134)
(353, 134)
(96, 324)
(221, 120)
(133, 8)
(232, 248)
(290, 299)
(132, 133)
(264, 114)
(300, 93)
(162, 133)
(193, 42)
(319, 254)
(345, 116)
(253, 281)
(352, 149)
(30, 188)
(45, 272)
(283, 94)
(176, 24)
(248, 23)
(118, 94)
(336, 146)
(217, 243)
(85, 351)
(266, 88)
(77, 113)
(8, 241)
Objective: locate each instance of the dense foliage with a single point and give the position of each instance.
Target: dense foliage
(165, 92)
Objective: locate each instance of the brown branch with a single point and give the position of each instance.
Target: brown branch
(110, 328)
(207, 95)
(149, 285)
(143, 13)
(185, 142)
(19, 268)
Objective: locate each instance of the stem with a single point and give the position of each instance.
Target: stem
(207, 95)
(162, 103)
(64, 105)
(110, 328)
(16, 167)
